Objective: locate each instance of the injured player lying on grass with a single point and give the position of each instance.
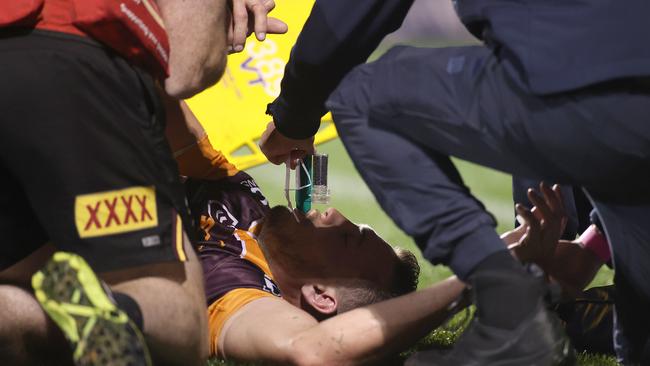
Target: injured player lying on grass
(321, 289)
(307, 292)
(312, 290)
(301, 292)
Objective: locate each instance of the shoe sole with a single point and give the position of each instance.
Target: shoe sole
(99, 332)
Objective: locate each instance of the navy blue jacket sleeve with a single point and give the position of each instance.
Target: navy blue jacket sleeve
(338, 35)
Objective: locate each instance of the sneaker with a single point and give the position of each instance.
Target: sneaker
(538, 341)
(76, 300)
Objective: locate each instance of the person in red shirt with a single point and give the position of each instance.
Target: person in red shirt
(89, 182)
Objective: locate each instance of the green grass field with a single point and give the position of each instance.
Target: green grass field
(351, 196)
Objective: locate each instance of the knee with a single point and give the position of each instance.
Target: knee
(171, 297)
(174, 313)
(13, 350)
(27, 336)
(181, 336)
(351, 99)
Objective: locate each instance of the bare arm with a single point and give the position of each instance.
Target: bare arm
(198, 32)
(195, 155)
(183, 128)
(573, 266)
(274, 330)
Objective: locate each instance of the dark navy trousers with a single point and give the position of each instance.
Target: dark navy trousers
(402, 116)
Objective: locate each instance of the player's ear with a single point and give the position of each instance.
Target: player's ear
(320, 299)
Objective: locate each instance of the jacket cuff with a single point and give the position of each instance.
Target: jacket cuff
(291, 122)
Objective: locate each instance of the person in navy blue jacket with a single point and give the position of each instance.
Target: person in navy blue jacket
(559, 91)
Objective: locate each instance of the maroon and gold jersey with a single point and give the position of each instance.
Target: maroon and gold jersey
(229, 211)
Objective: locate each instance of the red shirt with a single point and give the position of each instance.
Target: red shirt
(132, 28)
(57, 15)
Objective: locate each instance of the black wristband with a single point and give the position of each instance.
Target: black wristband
(295, 124)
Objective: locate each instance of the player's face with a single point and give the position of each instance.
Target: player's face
(333, 246)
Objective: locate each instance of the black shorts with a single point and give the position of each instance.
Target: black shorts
(84, 162)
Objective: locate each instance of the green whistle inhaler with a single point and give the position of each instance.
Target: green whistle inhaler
(315, 172)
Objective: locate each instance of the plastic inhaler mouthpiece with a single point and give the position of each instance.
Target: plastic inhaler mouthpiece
(320, 191)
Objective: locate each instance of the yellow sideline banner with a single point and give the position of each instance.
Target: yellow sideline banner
(232, 112)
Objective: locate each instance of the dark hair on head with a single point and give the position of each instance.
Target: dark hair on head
(359, 292)
(407, 272)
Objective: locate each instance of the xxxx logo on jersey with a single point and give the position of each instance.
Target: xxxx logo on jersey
(114, 212)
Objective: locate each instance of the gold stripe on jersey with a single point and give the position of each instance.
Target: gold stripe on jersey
(251, 251)
(179, 239)
(206, 224)
(221, 310)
